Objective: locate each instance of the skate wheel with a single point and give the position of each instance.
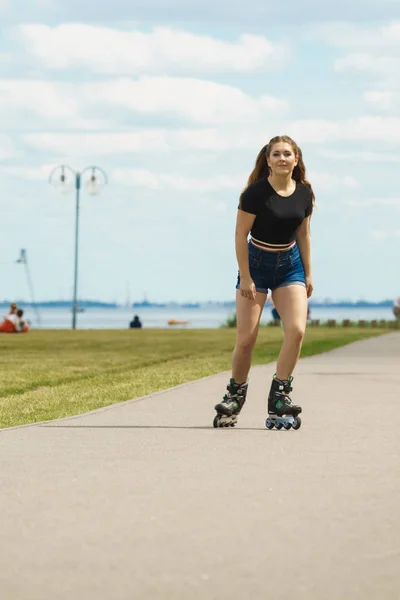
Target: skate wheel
(278, 425)
(297, 423)
(287, 426)
(216, 421)
(269, 424)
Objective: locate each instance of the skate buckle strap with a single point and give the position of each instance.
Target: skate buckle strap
(285, 388)
(286, 397)
(287, 385)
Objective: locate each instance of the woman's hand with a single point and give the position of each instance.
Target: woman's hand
(309, 286)
(247, 288)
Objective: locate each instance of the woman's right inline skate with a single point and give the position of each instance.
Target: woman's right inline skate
(231, 405)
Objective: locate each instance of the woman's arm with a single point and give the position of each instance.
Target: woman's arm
(244, 223)
(304, 244)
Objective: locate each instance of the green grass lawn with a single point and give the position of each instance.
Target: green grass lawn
(51, 374)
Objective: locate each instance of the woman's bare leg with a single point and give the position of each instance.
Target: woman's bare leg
(291, 304)
(248, 314)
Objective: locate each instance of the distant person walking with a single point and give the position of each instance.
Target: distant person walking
(275, 208)
(396, 308)
(274, 312)
(135, 323)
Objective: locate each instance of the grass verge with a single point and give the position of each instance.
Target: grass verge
(52, 374)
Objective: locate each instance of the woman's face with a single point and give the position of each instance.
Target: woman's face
(282, 159)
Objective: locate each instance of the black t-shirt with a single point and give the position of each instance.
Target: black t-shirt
(277, 217)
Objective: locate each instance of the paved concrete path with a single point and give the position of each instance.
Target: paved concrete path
(145, 500)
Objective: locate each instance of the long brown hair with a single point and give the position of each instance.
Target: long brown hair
(262, 171)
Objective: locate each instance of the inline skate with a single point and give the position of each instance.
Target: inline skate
(281, 410)
(228, 410)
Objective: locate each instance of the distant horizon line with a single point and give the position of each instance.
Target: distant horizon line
(196, 304)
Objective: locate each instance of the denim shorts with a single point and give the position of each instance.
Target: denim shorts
(272, 270)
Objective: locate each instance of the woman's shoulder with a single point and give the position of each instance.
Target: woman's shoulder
(303, 186)
(303, 189)
(305, 196)
(257, 187)
(253, 196)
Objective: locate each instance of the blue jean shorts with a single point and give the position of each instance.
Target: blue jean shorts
(272, 270)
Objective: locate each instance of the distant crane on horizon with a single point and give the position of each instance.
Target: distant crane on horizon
(23, 260)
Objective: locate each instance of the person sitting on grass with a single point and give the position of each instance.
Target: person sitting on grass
(14, 323)
(136, 323)
(13, 309)
(22, 323)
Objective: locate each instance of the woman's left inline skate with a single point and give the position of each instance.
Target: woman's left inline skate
(281, 410)
(228, 410)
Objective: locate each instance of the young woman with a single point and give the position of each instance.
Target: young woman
(275, 208)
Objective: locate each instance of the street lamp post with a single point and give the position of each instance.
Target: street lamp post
(65, 179)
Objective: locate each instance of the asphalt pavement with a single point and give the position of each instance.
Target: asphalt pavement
(146, 500)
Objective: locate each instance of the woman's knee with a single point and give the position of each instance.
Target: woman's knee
(246, 342)
(295, 333)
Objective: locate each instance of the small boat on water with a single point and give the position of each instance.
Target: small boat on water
(177, 322)
(79, 309)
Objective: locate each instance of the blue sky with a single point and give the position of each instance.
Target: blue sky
(174, 100)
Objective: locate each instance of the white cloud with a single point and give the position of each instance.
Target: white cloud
(377, 65)
(29, 173)
(112, 51)
(98, 144)
(382, 99)
(375, 202)
(324, 182)
(90, 106)
(7, 147)
(360, 36)
(374, 54)
(152, 180)
(44, 4)
(359, 128)
(194, 99)
(375, 129)
(108, 144)
(385, 234)
(144, 140)
(313, 130)
(5, 59)
(156, 180)
(164, 181)
(361, 156)
(42, 98)
(222, 13)
(48, 102)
